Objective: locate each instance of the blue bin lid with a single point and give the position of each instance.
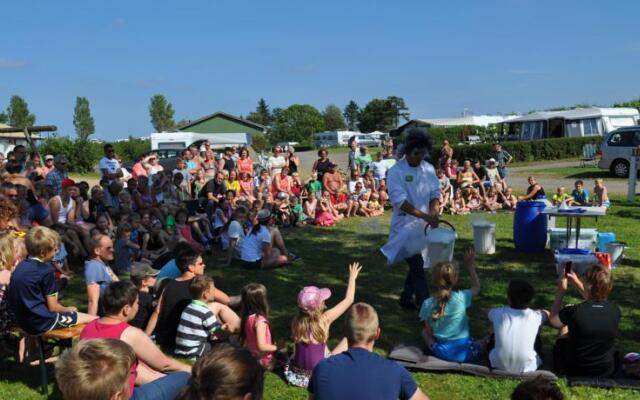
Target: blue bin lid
(574, 251)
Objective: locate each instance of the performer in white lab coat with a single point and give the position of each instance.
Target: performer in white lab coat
(414, 192)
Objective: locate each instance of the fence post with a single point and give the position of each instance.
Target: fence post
(633, 175)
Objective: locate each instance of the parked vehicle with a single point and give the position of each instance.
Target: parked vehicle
(332, 138)
(167, 158)
(364, 139)
(617, 150)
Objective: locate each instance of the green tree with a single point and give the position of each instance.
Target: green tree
(297, 124)
(352, 115)
(261, 115)
(161, 112)
(82, 119)
(18, 114)
(333, 120)
(378, 115)
(401, 109)
(3, 117)
(632, 103)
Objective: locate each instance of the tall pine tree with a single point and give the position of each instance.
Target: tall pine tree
(333, 120)
(82, 119)
(261, 115)
(161, 112)
(18, 115)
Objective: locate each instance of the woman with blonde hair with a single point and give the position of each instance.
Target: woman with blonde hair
(12, 251)
(444, 315)
(310, 328)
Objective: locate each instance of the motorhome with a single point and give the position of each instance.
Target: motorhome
(578, 122)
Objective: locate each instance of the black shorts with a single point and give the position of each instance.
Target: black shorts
(252, 264)
(65, 320)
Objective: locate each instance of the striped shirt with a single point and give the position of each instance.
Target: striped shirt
(197, 323)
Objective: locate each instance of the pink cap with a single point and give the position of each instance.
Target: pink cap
(311, 297)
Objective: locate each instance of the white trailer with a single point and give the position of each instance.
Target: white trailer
(332, 138)
(180, 140)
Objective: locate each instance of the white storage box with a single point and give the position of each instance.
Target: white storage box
(484, 237)
(558, 239)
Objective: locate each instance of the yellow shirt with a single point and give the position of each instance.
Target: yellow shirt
(235, 185)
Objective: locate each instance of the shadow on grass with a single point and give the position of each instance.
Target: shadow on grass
(604, 174)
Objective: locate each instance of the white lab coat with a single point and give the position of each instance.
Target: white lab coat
(418, 186)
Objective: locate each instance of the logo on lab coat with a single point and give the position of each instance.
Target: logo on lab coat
(408, 178)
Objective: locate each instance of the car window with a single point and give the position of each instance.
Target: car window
(625, 138)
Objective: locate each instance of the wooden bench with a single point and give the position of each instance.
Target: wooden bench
(62, 338)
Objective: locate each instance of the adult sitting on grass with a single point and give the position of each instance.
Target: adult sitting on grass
(176, 296)
(359, 373)
(98, 275)
(534, 191)
(97, 369)
(153, 376)
(256, 251)
(588, 331)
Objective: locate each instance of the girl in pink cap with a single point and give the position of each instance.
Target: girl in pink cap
(310, 328)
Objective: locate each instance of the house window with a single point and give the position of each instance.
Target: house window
(572, 129)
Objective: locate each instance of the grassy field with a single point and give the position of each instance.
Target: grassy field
(326, 254)
(577, 172)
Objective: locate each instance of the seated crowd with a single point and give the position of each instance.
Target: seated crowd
(153, 228)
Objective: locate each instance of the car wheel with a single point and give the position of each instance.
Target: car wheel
(620, 168)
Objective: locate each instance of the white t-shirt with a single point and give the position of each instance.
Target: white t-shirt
(352, 185)
(515, 332)
(379, 169)
(251, 249)
(111, 165)
(276, 164)
(234, 231)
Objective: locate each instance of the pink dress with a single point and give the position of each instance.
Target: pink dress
(324, 218)
(251, 340)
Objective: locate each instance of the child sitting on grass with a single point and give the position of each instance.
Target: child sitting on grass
(458, 205)
(600, 194)
(375, 206)
(560, 196)
(444, 316)
(255, 330)
(126, 250)
(580, 194)
(314, 186)
(33, 296)
(508, 199)
(144, 277)
(310, 328)
(198, 325)
(516, 346)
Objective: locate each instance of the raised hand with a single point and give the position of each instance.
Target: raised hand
(469, 256)
(354, 270)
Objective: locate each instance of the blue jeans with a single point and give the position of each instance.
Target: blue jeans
(415, 284)
(165, 388)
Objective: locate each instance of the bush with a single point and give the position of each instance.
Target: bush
(81, 155)
(259, 143)
(544, 149)
(132, 148)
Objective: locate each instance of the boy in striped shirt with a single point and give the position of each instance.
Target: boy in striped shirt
(198, 324)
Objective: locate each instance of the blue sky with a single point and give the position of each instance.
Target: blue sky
(204, 56)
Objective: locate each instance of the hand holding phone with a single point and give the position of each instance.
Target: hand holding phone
(567, 268)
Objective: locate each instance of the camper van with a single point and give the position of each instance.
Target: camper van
(578, 122)
(332, 138)
(180, 140)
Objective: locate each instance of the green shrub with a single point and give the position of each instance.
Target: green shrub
(81, 155)
(544, 149)
(132, 148)
(259, 143)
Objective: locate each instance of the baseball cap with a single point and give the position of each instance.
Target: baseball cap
(492, 160)
(67, 183)
(48, 157)
(264, 214)
(142, 269)
(311, 297)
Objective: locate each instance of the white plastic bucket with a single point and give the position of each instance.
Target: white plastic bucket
(484, 237)
(440, 245)
(616, 249)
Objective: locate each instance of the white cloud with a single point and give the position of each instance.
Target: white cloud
(10, 63)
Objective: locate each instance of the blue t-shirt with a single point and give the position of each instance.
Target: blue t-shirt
(454, 324)
(251, 246)
(96, 272)
(123, 255)
(580, 197)
(31, 284)
(61, 255)
(360, 374)
(169, 270)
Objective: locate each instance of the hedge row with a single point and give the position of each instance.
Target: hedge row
(544, 149)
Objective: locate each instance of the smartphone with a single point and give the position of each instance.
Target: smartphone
(567, 268)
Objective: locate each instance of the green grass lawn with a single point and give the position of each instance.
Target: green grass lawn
(326, 254)
(577, 172)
